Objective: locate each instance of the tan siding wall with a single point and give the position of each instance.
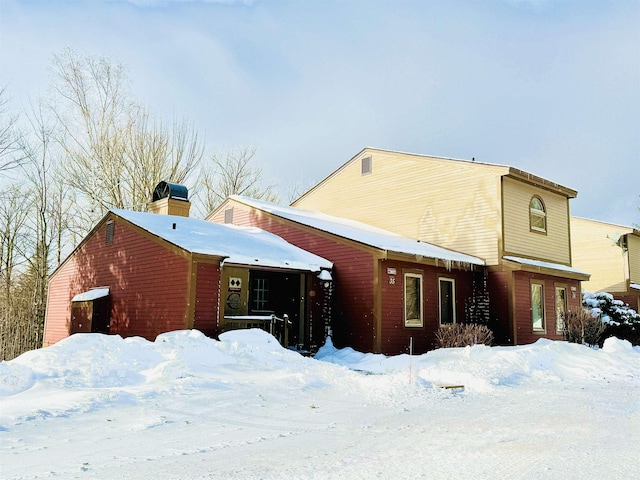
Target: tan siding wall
(595, 252)
(451, 203)
(519, 240)
(634, 258)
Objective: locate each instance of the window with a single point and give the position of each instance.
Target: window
(110, 232)
(260, 293)
(412, 300)
(447, 301)
(561, 307)
(537, 215)
(365, 166)
(537, 306)
(228, 215)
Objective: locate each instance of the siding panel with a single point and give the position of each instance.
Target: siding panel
(554, 246)
(451, 203)
(353, 319)
(522, 285)
(595, 252)
(207, 299)
(395, 336)
(148, 284)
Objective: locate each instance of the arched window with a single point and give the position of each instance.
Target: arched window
(537, 215)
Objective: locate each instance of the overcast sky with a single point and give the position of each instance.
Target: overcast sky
(548, 86)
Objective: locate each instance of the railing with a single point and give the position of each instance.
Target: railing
(268, 323)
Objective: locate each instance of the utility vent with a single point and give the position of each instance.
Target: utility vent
(170, 199)
(110, 232)
(170, 190)
(366, 166)
(228, 215)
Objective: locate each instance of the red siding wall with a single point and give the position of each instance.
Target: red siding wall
(353, 322)
(207, 297)
(395, 336)
(148, 284)
(353, 273)
(522, 285)
(632, 300)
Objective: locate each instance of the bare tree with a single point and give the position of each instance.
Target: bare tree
(32, 223)
(10, 153)
(153, 154)
(235, 174)
(115, 153)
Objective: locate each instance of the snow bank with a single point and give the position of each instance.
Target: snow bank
(480, 368)
(244, 407)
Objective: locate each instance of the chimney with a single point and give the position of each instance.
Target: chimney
(170, 199)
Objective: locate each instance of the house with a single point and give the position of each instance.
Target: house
(389, 292)
(612, 254)
(142, 274)
(517, 222)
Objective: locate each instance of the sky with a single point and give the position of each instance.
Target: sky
(551, 87)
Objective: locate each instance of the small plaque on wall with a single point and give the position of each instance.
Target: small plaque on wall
(235, 284)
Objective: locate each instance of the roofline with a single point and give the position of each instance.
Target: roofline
(384, 251)
(633, 231)
(84, 240)
(97, 226)
(510, 171)
(541, 182)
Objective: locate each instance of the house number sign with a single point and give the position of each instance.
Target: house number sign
(391, 272)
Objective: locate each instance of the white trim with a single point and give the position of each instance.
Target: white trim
(412, 323)
(541, 264)
(90, 295)
(542, 306)
(452, 281)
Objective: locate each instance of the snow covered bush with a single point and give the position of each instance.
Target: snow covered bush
(582, 327)
(462, 335)
(620, 320)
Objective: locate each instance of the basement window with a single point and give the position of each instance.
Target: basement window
(537, 215)
(109, 232)
(365, 166)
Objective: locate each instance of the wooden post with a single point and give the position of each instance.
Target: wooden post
(285, 320)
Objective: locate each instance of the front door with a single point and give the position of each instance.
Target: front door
(279, 294)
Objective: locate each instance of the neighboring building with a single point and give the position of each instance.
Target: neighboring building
(517, 222)
(612, 254)
(142, 274)
(389, 291)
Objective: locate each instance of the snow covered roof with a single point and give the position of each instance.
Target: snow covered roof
(553, 266)
(361, 232)
(93, 294)
(635, 286)
(238, 245)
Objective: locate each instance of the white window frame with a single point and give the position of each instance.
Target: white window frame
(559, 322)
(538, 324)
(453, 299)
(413, 322)
(537, 214)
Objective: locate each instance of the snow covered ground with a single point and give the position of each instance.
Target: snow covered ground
(189, 407)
